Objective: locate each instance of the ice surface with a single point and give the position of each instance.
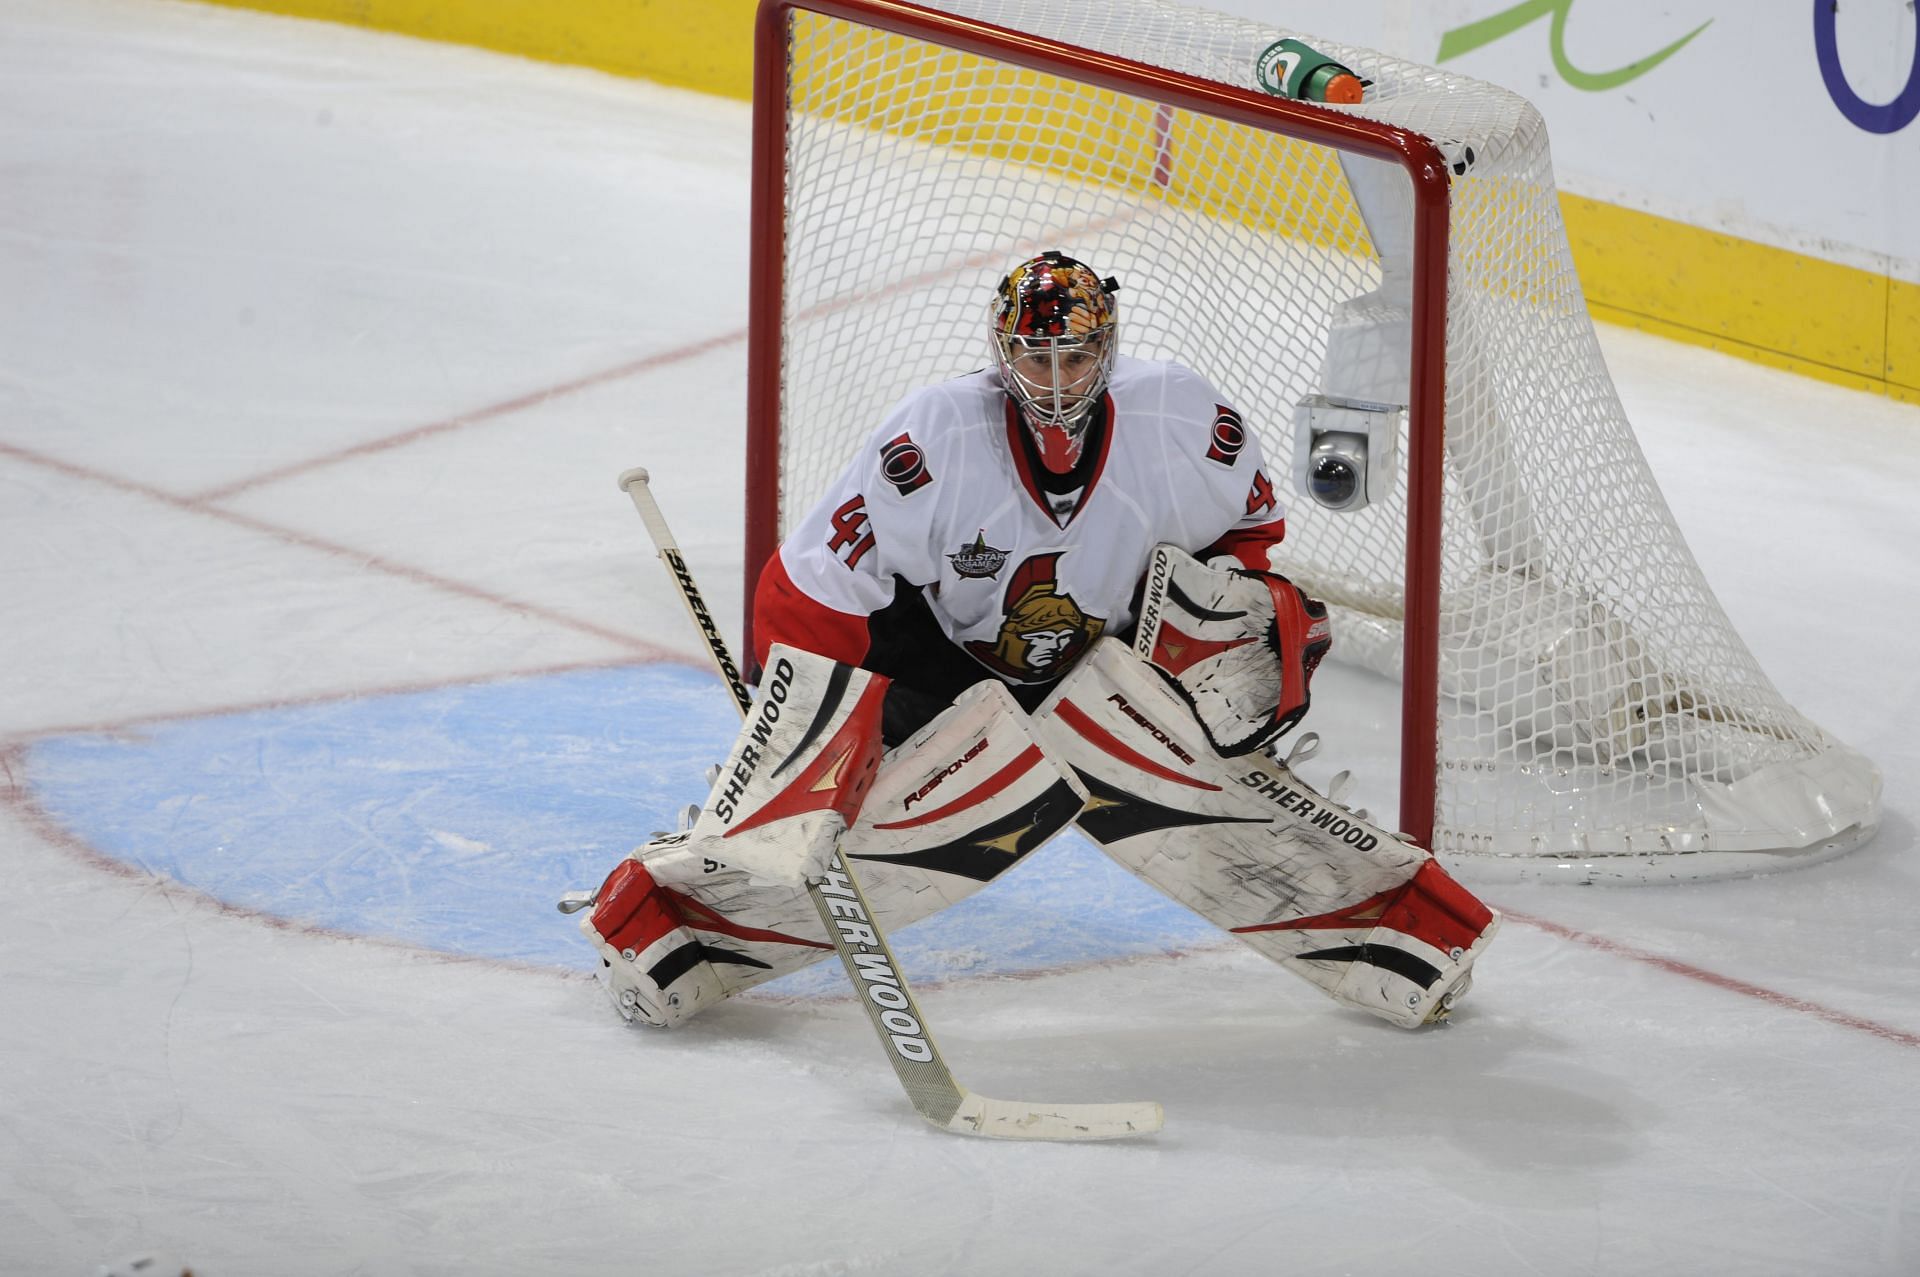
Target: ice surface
(332, 654)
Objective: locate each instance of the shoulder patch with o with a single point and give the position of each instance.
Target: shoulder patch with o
(1229, 436)
(904, 465)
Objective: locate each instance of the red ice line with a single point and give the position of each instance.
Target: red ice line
(505, 407)
(647, 363)
(125, 726)
(1674, 966)
(419, 576)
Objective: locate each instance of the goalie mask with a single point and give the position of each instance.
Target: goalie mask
(1054, 336)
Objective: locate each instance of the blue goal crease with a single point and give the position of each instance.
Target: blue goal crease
(453, 819)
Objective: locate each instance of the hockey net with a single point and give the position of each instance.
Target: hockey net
(1584, 709)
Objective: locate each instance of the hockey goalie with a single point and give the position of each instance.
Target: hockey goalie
(1039, 596)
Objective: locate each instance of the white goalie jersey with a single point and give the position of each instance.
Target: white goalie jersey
(1020, 575)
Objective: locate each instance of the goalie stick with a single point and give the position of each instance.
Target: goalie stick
(878, 982)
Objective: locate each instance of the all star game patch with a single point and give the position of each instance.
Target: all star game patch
(978, 560)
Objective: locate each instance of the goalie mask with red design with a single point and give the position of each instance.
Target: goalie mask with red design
(1054, 326)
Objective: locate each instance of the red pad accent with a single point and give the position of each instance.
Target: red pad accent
(1177, 652)
(1080, 721)
(632, 911)
(701, 918)
(784, 613)
(839, 778)
(1366, 913)
(1436, 909)
(988, 788)
(1430, 907)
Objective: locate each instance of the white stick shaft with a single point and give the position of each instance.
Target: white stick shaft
(634, 484)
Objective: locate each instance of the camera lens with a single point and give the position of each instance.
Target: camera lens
(1333, 481)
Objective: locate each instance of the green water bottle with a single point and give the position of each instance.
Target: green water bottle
(1290, 69)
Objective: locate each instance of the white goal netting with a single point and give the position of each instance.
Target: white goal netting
(1599, 718)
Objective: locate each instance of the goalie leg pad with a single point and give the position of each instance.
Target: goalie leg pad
(657, 970)
(958, 804)
(1368, 918)
(1405, 955)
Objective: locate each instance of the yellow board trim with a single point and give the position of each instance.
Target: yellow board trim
(696, 44)
(1836, 323)
(1783, 309)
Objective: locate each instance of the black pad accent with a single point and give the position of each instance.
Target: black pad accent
(1114, 814)
(690, 955)
(974, 856)
(1179, 596)
(1384, 956)
(836, 689)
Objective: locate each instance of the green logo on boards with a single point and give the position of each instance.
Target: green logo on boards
(1464, 40)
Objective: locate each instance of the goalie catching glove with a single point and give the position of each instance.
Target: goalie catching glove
(1239, 646)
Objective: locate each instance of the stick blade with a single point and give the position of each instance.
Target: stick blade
(1017, 1120)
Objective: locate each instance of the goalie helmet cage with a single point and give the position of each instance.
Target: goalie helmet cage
(1575, 703)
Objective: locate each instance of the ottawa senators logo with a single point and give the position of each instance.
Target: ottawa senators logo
(1042, 632)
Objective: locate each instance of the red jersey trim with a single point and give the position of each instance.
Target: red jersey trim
(785, 613)
(1249, 545)
(1024, 468)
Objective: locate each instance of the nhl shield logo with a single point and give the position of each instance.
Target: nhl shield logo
(978, 560)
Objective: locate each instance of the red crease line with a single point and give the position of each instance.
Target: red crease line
(417, 576)
(505, 407)
(1674, 966)
(135, 723)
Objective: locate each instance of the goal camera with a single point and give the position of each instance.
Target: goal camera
(1346, 451)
